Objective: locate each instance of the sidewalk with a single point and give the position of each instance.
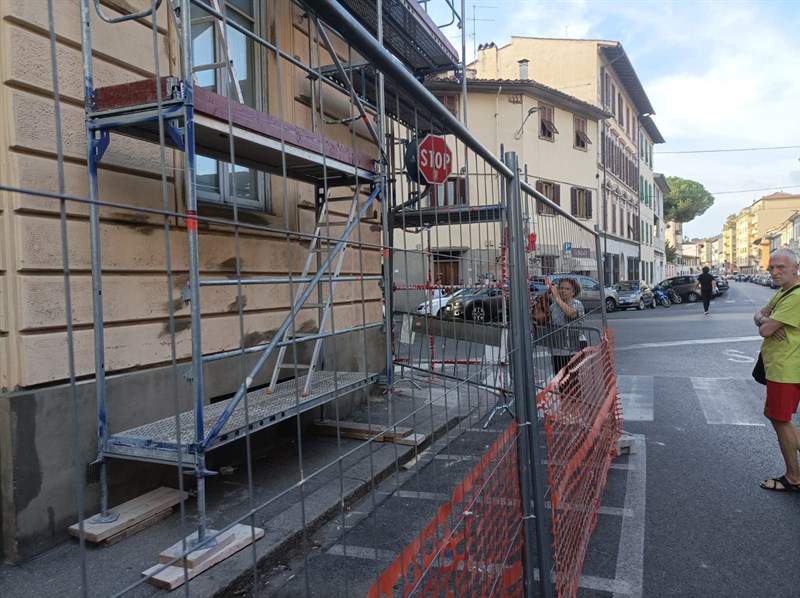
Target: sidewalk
(280, 503)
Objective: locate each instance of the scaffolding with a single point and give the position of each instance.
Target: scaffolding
(360, 228)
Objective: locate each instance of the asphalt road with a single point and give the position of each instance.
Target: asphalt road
(704, 446)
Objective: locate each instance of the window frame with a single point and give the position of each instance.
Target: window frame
(547, 127)
(224, 196)
(551, 191)
(581, 203)
(581, 140)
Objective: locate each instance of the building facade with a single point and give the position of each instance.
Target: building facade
(600, 73)
(659, 227)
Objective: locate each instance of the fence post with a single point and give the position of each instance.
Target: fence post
(600, 258)
(532, 481)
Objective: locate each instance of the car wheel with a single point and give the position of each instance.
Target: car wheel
(693, 297)
(611, 305)
(478, 314)
(640, 306)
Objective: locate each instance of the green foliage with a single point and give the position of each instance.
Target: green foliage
(730, 222)
(670, 252)
(686, 200)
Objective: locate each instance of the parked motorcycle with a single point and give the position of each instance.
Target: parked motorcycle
(659, 296)
(673, 296)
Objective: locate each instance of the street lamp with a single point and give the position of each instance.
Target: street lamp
(518, 134)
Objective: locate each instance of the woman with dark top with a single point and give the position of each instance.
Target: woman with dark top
(708, 286)
(565, 309)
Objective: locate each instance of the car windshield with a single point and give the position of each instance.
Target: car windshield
(626, 285)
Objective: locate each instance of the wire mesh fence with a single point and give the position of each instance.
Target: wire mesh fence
(288, 316)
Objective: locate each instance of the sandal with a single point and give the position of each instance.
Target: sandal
(785, 486)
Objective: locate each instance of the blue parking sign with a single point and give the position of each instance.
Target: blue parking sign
(567, 246)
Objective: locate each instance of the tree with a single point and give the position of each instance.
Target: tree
(670, 252)
(686, 200)
(730, 222)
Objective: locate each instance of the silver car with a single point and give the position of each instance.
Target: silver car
(591, 296)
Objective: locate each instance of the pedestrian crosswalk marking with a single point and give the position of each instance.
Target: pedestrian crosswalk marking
(636, 396)
(724, 404)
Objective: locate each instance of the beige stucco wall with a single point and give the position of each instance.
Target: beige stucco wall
(136, 294)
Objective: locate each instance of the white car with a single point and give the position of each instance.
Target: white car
(432, 306)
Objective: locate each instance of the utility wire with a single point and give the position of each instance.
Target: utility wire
(750, 190)
(743, 149)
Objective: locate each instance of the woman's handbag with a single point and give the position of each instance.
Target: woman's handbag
(541, 310)
(759, 373)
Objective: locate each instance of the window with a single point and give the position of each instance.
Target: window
(547, 129)
(628, 121)
(452, 192)
(582, 140)
(620, 114)
(221, 182)
(581, 203)
(450, 101)
(614, 219)
(551, 191)
(548, 264)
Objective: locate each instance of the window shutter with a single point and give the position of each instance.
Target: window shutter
(573, 196)
(589, 204)
(556, 194)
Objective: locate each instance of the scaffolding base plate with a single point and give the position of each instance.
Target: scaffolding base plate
(171, 577)
(132, 514)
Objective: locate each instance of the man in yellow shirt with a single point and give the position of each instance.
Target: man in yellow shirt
(779, 323)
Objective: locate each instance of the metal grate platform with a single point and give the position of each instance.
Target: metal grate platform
(158, 441)
(446, 216)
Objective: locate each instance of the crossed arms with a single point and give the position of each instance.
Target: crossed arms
(767, 326)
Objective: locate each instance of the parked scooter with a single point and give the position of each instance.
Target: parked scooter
(659, 296)
(673, 296)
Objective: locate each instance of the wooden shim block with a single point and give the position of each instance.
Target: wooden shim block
(358, 430)
(171, 577)
(412, 440)
(130, 513)
(127, 533)
(196, 557)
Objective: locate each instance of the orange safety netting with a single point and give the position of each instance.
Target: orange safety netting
(582, 424)
(473, 546)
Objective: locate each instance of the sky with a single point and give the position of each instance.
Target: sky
(722, 77)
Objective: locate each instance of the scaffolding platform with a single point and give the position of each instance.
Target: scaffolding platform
(408, 33)
(445, 216)
(261, 141)
(158, 441)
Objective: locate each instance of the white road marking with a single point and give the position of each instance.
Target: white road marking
(699, 341)
(630, 558)
(723, 404)
(636, 396)
(738, 356)
(436, 496)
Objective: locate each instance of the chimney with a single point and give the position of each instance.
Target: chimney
(523, 69)
(486, 64)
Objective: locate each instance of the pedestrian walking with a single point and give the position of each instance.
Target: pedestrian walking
(565, 309)
(779, 324)
(707, 287)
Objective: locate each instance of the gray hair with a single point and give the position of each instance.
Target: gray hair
(785, 253)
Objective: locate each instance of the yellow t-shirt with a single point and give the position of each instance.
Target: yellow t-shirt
(782, 358)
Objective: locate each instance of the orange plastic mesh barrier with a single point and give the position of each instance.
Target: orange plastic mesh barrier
(582, 424)
(473, 546)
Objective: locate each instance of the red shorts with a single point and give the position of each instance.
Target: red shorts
(782, 400)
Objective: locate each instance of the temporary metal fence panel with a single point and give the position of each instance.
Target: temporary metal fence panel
(242, 266)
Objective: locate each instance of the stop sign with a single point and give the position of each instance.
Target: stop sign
(435, 159)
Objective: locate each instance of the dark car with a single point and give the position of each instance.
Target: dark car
(683, 286)
(634, 294)
(481, 305)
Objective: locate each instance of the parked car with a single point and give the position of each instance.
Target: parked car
(684, 286)
(634, 294)
(590, 296)
(722, 285)
(479, 305)
(433, 306)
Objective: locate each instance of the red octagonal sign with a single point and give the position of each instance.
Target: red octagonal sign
(435, 159)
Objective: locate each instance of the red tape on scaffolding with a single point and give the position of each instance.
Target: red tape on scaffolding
(473, 546)
(582, 424)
